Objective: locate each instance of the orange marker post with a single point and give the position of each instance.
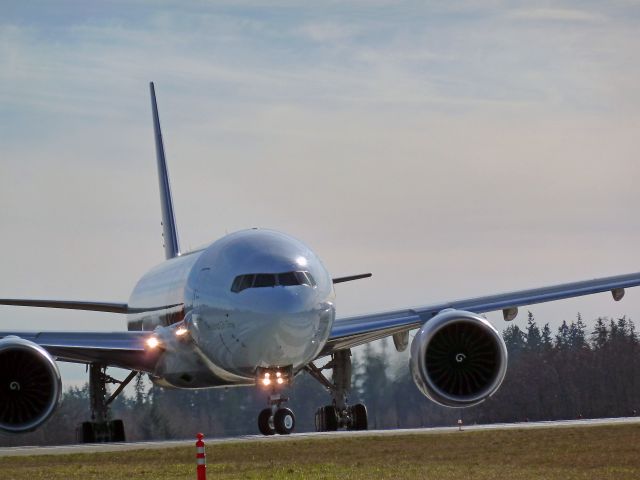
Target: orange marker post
(201, 460)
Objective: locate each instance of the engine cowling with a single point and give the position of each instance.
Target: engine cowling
(30, 385)
(458, 359)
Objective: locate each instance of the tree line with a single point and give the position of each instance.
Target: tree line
(574, 372)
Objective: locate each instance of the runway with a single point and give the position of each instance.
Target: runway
(114, 447)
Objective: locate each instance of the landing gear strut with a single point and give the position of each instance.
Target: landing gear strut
(339, 414)
(276, 418)
(100, 429)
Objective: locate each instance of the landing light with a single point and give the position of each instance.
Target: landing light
(274, 376)
(152, 342)
(181, 331)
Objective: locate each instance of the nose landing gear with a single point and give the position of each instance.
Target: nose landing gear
(276, 419)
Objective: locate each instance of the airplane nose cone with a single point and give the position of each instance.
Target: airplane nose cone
(267, 327)
(290, 329)
(290, 300)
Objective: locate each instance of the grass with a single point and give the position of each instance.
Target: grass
(598, 452)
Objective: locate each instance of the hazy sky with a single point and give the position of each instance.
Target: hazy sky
(453, 151)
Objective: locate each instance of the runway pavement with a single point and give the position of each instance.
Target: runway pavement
(114, 447)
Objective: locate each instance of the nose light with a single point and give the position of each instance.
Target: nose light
(274, 376)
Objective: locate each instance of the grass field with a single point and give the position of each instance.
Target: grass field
(598, 452)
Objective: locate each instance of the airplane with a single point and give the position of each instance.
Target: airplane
(257, 308)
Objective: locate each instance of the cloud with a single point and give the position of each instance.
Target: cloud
(328, 31)
(556, 15)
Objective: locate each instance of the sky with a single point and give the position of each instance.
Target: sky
(452, 149)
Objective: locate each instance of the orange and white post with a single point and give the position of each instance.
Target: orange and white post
(201, 459)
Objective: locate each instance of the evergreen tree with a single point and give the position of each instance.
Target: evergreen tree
(600, 334)
(563, 341)
(577, 334)
(546, 340)
(374, 382)
(534, 337)
(633, 336)
(514, 338)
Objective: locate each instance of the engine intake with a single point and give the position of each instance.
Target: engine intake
(458, 359)
(29, 385)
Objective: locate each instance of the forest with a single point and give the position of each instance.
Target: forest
(574, 372)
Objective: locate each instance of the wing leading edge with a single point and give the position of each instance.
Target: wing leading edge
(82, 305)
(353, 331)
(118, 349)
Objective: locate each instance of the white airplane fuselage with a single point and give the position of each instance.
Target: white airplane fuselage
(252, 299)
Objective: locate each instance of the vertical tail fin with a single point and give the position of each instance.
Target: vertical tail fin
(169, 230)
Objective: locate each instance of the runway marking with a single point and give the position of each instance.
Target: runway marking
(114, 447)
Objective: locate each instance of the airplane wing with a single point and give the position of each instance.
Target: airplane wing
(117, 349)
(111, 307)
(353, 331)
(68, 304)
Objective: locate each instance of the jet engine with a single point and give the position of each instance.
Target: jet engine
(29, 385)
(458, 359)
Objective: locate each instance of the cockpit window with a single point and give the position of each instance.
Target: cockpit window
(242, 282)
(287, 279)
(259, 280)
(305, 278)
(264, 280)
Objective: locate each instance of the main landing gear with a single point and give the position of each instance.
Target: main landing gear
(339, 414)
(100, 429)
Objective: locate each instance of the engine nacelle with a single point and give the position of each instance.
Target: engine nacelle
(458, 359)
(30, 385)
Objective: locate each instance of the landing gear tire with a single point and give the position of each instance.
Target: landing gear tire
(117, 431)
(265, 422)
(85, 433)
(327, 419)
(284, 421)
(358, 413)
(101, 432)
